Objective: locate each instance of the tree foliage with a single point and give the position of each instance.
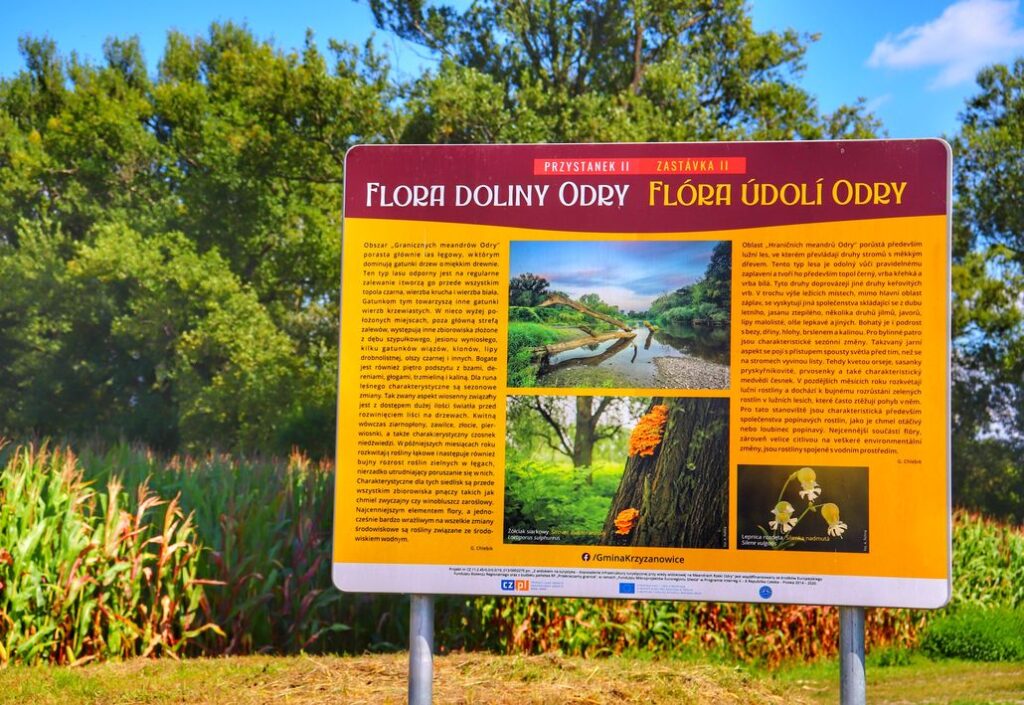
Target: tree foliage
(527, 289)
(988, 283)
(573, 70)
(169, 239)
(171, 245)
(707, 301)
(571, 428)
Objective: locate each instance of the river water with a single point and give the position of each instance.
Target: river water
(630, 362)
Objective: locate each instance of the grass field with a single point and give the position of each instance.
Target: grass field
(468, 679)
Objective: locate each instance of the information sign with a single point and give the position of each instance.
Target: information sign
(684, 371)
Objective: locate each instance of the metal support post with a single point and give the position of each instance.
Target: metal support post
(421, 650)
(852, 681)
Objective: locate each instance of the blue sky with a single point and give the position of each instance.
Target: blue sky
(912, 60)
(629, 274)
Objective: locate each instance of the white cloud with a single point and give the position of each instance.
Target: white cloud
(874, 104)
(969, 35)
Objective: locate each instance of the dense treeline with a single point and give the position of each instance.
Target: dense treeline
(170, 238)
(988, 296)
(169, 244)
(705, 302)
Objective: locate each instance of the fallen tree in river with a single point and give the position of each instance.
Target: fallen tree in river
(591, 338)
(557, 299)
(555, 348)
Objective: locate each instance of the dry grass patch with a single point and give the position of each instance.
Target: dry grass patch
(462, 679)
(483, 679)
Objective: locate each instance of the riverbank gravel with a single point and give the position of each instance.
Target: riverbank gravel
(691, 373)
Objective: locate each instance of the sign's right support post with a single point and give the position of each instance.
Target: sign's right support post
(852, 681)
(421, 650)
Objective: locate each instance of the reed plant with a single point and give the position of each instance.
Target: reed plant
(265, 526)
(123, 552)
(82, 576)
(988, 562)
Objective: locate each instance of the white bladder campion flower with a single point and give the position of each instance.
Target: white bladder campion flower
(810, 489)
(830, 513)
(784, 517)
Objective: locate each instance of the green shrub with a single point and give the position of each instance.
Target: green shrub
(889, 656)
(522, 338)
(679, 315)
(977, 634)
(557, 497)
(522, 372)
(559, 315)
(720, 319)
(523, 314)
(706, 310)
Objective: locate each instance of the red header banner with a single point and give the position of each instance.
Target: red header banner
(648, 188)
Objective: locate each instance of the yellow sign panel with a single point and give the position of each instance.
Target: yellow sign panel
(686, 371)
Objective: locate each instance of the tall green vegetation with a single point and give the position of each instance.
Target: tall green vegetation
(522, 339)
(576, 71)
(88, 573)
(123, 552)
(527, 290)
(169, 239)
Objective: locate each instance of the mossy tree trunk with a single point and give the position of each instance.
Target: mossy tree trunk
(681, 491)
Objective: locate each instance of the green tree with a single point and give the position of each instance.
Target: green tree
(230, 161)
(75, 144)
(568, 427)
(527, 289)
(141, 337)
(594, 302)
(707, 301)
(571, 70)
(988, 284)
(718, 276)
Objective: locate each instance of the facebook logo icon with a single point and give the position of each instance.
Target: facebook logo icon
(508, 584)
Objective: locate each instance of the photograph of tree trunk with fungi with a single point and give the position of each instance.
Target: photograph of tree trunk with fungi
(617, 471)
(674, 489)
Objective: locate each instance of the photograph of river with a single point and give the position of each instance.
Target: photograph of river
(620, 314)
(674, 357)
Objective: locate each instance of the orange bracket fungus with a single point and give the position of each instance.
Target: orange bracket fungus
(647, 434)
(625, 519)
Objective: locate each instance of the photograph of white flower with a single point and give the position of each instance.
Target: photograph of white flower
(802, 508)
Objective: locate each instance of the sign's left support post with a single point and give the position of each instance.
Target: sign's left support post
(852, 680)
(421, 650)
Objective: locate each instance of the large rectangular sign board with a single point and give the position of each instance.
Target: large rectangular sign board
(660, 371)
